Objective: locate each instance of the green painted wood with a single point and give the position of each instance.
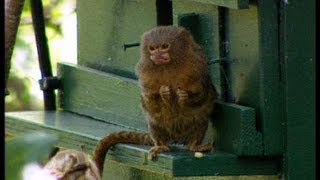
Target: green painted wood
(181, 162)
(300, 75)
(120, 171)
(253, 52)
(272, 112)
(119, 98)
(243, 56)
(202, 20)
(237, 131)
(254, 69)
(75, 131)
(234, 4)
(110, 24)
(254, 64)
(100, 95)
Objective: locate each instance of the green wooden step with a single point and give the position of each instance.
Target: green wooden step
(115, 100)
(100, 95)
(76, 131)
(93, 104)
(234, 4)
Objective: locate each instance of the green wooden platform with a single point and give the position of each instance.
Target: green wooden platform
(234, 4)
(116, 101)
(269, 65)
(89, 111)
(78, 132)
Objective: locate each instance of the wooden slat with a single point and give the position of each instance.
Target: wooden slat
(237, 131)
(110, 25)
(119, 98)
(255, 76)
(121, 171)
(181, 162)
(234, 4)
(74, 131)
(301, 93)
(271, 105)
(101, 95)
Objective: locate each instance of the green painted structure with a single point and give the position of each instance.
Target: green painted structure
(259, 61)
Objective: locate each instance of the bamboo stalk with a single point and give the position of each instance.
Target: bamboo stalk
(43, 51)
(13, 9)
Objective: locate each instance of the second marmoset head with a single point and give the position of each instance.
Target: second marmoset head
(72, 164)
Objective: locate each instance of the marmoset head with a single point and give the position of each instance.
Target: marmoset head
(164, 44)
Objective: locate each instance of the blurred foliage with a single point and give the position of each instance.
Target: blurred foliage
(19, 151)
(24, 63)
(19, 98)
(52, 14)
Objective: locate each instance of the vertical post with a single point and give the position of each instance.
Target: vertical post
(43, 51)
(164, 12)
(13, 9)
(224, 66)
(300, 76)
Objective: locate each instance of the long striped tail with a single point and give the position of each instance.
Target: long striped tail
(118, 137)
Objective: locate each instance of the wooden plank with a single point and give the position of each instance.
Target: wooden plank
(272, 112)
(300, 92)
(234, 4)
(235, 123)
(74, 130)
(243, 75)
(242, 55)
(237, 131)
(181, 162)
(101, 95)
(255, 79)
(121, 171)
(111, 24)
(116, 170)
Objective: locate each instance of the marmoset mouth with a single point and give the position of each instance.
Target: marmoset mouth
(160, 58)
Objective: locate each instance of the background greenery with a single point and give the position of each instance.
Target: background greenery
(19, 151)
(60, 18)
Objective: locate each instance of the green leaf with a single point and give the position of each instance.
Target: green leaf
(19, 151)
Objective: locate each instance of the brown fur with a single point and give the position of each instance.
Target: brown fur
(177, 95)
(72, 164)
(118, 137)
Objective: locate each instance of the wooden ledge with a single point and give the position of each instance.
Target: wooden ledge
(76, 131)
